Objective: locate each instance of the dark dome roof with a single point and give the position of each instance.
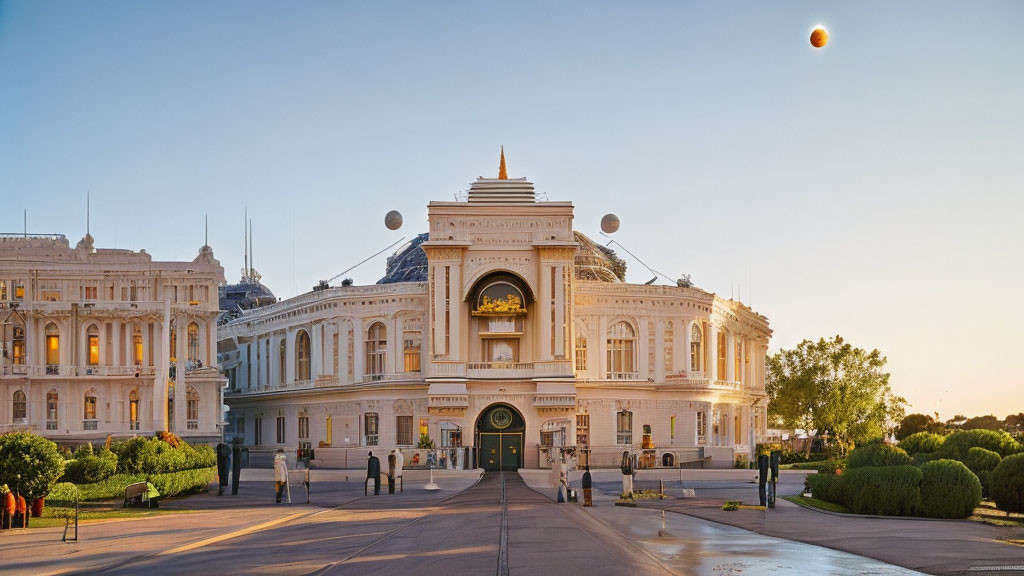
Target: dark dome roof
(246, 295)
(593, 262)
(408, 263)
(597, 262)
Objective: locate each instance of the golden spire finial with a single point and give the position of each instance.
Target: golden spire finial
(502, 174)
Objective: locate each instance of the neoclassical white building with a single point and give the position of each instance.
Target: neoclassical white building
(504, 332)
(100, 342)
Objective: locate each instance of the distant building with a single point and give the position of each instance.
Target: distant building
(105, 341)
(506, 338)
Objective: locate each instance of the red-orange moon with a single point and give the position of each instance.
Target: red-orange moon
(819, 37)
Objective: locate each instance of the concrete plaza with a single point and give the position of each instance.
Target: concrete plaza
(468, 528)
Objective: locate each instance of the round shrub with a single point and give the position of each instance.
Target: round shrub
(985, 477)
(878, 454)
(887, 490)
(957, 444)
(948, 490)
(922, 442)
(922, 457)
(1006, 485)
(979, 459)
(34, 458)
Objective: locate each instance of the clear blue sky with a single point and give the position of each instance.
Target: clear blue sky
(871, 189)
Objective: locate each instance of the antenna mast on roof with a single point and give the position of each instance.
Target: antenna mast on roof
(86, 212)
(245, 243)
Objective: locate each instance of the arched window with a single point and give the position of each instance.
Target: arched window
(624, 427)
(20, 405)
(136, 344)
(52, 345)
(696, 353)
(722, 354)
(92, 335)
(282, 361)
(191, 409)
(621, 352)
(376, 349)
(193, 343)
(133, 410)
(301, 356)
(51, 410)
(581, 349)
(89, 411)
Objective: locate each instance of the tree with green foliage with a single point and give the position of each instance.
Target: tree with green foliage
(922, 442)
(29, 463)
(989, 422)
(914, 423)
(832, 387)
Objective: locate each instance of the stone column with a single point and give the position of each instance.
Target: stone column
(180, 386)
(357, 349)
(681, 343)
(342, 352)
(600, 346)
(117, 342)
(659, 351)
(730, 357)
(394, 345)
(289, 355)
(544, 313)
(711, 370)
(316, 352)
(559, 273)
(643, 362)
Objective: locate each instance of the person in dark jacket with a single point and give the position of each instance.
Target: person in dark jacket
(373, 472)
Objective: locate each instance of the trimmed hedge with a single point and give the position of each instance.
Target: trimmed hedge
(979, 459)
(960, 442)
(828, 487)
(90, 468)
(172, 484)
(985, 477)
(922, 442)
(1007, 484)
(877, 454)
(948, 490)
(143, 455)
(886, 490)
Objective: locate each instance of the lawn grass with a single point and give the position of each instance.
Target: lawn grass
(816, 503)
(55, 516)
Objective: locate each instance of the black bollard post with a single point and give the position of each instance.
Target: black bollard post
(236, 464)
(762, 477)
(223, 460)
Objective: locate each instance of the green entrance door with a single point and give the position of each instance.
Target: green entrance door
(490, 451)
(511, 451)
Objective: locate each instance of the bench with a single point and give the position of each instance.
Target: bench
(137, 494)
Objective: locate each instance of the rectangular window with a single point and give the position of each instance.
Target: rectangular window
(134, 293)
(581, 353)
(18, 345)
(303, 427)
(583, 430)
(280, 429)
(3, 290)
(94, 350)
(90, 408)
(90, 292)
(258, 432)
(403, 428)
(51, 295)
(137, 349)
(737, 439)
(51, 411)
(411, 344)
(370, 428)
(702, 427)
(624, 427)
(19, 292)
(240, 428)
(52, 349)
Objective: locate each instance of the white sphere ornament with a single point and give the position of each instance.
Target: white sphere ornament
(610, 223)
(393, 220)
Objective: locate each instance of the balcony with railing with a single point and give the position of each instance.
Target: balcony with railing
(447, 369)
(500, 369)
(15, 370)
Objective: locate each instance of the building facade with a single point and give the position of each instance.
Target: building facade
(100, 342)
(504, 337)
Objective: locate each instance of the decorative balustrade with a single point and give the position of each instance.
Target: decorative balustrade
(500, 369)
(548, 368)
(435, 401)
(554, 401)
(448, 368)
(14, 370)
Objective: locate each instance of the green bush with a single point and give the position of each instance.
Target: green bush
(922, 457)
(887, 490)
(878, 454)
(922, 442)
(90, 468)
(1006, 485)
(184, 482)
(828, 487)
(985, 477)
(948, 490)
(172, 484)
(29, 463)
(142, 455)
(960, 442)
(979, 459)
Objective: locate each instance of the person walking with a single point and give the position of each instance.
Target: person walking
(373, 472)
(280, 473)
(588, 484)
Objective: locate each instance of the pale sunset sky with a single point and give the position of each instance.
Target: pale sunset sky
(873, 188)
